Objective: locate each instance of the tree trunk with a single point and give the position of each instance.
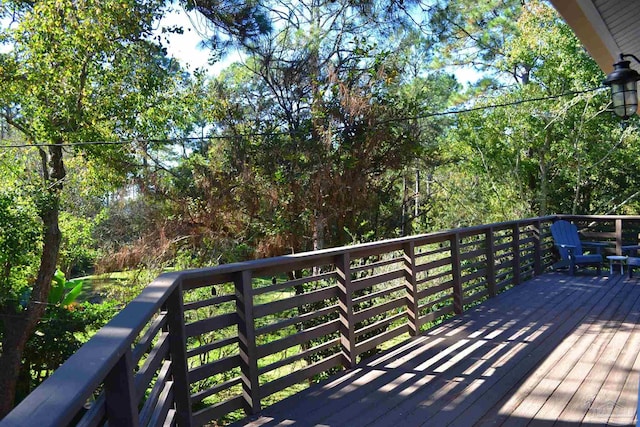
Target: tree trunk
(318, 231)
(544, 175)
(19, 325)
(13, 342)
(404, 205)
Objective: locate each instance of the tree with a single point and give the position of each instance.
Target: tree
(476, 34)
(73, 71)
(540, 157)
(323, 88)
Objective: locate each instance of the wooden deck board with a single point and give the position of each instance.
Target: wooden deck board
(598, 364)
(554, 351)
(543, 382)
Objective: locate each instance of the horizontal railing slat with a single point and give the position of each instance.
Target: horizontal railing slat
(153, 362)
(433, 264)
(432, 316)
(376, 310)
(380, 324)
(475, 297)
(203, 394)
(154, 395)
(95, 415)
(217, 410)
(376, 264)
(300, 355)
(293, 283)
(472, 254)
(298, 338)
(301, 318)
(200, 327)
(435, 277)
(295, 301)
(430, 253)
(300, 375)
(360, 284)
(375, 341)
(432, 290)
(145, 342)
(430, 304)
(209, 302)
(212, 346)
(214, 368)
(379, 294)
(476, 274)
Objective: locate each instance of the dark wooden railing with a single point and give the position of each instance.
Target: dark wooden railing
(198, 345)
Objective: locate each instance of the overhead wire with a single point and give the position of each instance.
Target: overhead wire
(284, 133)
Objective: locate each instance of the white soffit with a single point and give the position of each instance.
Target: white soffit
(606, 28)
(601, 28)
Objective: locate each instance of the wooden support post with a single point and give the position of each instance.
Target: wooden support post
(537, 248)
(456, 271)
(345, 304)
(515, 245)
(619, 236)
(120, 403)
(247, 344)
(490, 243)
(413, 311)
(178, 354)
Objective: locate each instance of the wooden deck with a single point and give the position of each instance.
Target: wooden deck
(557, 350)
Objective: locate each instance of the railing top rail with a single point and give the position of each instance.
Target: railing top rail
(599, 217)
(354, 250)
(57, 400)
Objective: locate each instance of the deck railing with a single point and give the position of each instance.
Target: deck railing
(197, 345)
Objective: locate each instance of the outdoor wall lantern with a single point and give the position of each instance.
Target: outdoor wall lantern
(624, 92)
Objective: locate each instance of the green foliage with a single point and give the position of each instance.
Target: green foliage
(554, 155)
(313, 135)
(19, 245)
(61, 332)
(71, 72)
(78, 251)
(64, 292)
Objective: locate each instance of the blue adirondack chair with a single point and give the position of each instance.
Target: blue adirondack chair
(565, 235)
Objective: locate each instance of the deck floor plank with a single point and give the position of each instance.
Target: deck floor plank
(441, 378)
(499, 377)
(534, 393)
(523, 363)
(555, 350)
(599, 363)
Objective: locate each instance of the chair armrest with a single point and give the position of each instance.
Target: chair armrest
(629, 248)
(596, 245)
(569, 248)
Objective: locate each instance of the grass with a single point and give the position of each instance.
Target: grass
(120, 286)
(124, 286)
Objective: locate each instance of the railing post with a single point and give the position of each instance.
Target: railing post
(345, 308)
(178, 354)
(247, 344)
(413, 311)
(120, 403)
(490, 243)
(516, 253)
(537, 248)
(458, 300)
(618, 236)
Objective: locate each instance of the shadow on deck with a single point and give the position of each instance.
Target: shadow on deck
(554, 350)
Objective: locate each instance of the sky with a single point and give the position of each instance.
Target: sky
(188, 49)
